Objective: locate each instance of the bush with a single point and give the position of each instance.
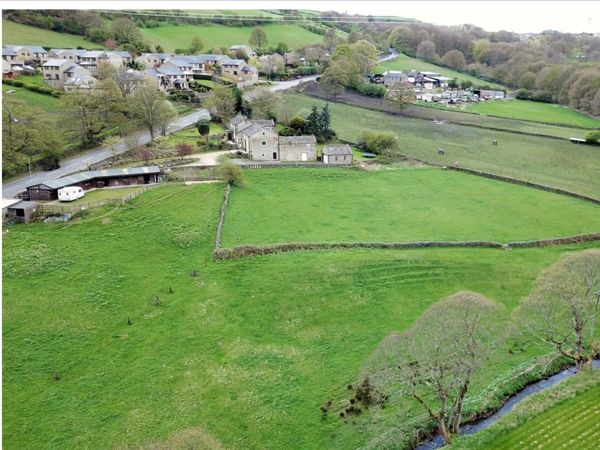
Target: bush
(50, 161)
(231, 173)
(371, 90)
(524, 94)
(378, 143)
(592, 137)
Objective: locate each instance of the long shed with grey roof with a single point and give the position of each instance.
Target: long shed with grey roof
(337, 154)
(92, 179)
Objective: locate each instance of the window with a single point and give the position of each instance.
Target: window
(263, 143)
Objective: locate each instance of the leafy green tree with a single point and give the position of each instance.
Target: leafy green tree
(325, 122)
(453, 83)
(222, 103)
(150, 109)
(282, 48)
(203, 127)
(298, 124)
(380, 143)
(231, 173)
(258, 38)
(593, 137)
(527, 81)
(455, 59)
(126, 31)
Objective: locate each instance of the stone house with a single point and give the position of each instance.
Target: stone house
(240, 122)
(7, 71)
(297, 148)
(81, 84)
(261, 143)
(168, 77)
(71, 54)
(232, 67)
(150, 60)
(57, 71)
(394, 77)
(249, 74)
(8, 54)
(337, 154)
(33, 53)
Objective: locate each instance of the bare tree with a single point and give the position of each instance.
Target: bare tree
(442, 350)
(563, 307)
(150, 109)
(400, 94)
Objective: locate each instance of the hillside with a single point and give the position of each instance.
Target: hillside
(16, 33)
(172, 36)
(405, 62)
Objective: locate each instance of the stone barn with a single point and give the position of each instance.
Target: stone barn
(297, 148)
(93, 179)
(337, 154)
(260, 143)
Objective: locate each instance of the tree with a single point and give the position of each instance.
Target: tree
(325, 123)
(380, 143)
(527, 81)
(426, 51)
(401, 95)
(264, 104)
(203, 127)
(222, 103)
(563, 307)
(150, 109)
(258, 38)
(455, 59)
(334, 78)
(26, 131)
(282, 48)
(197, 45)
(440, 353)
(184, 150)
(466, 84)
(353, 36)
(364, 55)
(126, 31)
(453, 83)
(331, 39)
(298, 124)
(145, 154)
(111, 44)
(231, 173)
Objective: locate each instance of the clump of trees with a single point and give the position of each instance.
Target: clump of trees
(231, 173)
(350, 63)
(592, 137)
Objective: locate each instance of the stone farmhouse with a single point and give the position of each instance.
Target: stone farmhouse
(28, 53)
(260, 141)
(58, 71)
(169, 77)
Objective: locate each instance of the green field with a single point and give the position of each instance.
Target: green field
(572, 424)
(404, 62)
(34, 99)
(101, 194)
(19, 34)
(235, 354)
(171, 37)
(535, 111)
(532, 158)
(403, 205)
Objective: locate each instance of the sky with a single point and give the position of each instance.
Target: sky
(518, 16)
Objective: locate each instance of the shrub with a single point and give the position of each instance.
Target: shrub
(524, 94)
(371, 90)
(231, 173)
(298, 123)
(380, 143)
(50, 161)
(593, 137)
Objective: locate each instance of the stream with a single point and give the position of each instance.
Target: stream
(438, 442)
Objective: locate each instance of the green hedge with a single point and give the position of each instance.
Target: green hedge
(40, 89)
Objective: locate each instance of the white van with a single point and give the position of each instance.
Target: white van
(70, 193)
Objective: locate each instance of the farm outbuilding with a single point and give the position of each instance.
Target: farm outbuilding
(21, 211)
(337, 154)
(297, 148)
(93, 179)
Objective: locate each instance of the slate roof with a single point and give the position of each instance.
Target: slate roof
(7, 51)
(60, 51)
(237, 119)
(167, 69)
(91, 174)
(178, 62)
(81, 81)
(93, 54)
(23, 204)
(54, 62)
(342, 149)
(232, 62)
(254, 129)
(308, 139)
(33, 48)
(249, 69)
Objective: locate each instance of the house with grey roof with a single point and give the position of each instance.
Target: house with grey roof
(93, 179)
(246, 49)
(57, 71)
(169, 77)
(297, 148)
(71, 54)
(9, 54)
(152, 60)
(337, 154)
(26, 53)
(260, 143)
(80, 84)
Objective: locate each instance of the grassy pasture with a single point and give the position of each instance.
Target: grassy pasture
(404, 62)
(534, 111)
(331, 205)
(237, 355)
(34, 99)
(532, 158)
(19, 34)
(571, 424)
(171, 37)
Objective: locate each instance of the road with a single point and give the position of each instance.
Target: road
(81, 161)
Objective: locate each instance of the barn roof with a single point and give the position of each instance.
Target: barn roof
(309, 139)
(343, 149)
(91, 174)
(23, 205)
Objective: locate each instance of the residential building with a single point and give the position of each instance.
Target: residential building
(297, 148)
(130, 79)
(8, 73)
(246, 49)
(292, 59)
(80, 84)
(232, 67)
(239, 123)
(71, 54)
(169, 77)
(57, 71)
(150, 60)
(27, 53)
(9, 54)
(261, 143)
(249, 74)
(337, 154)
